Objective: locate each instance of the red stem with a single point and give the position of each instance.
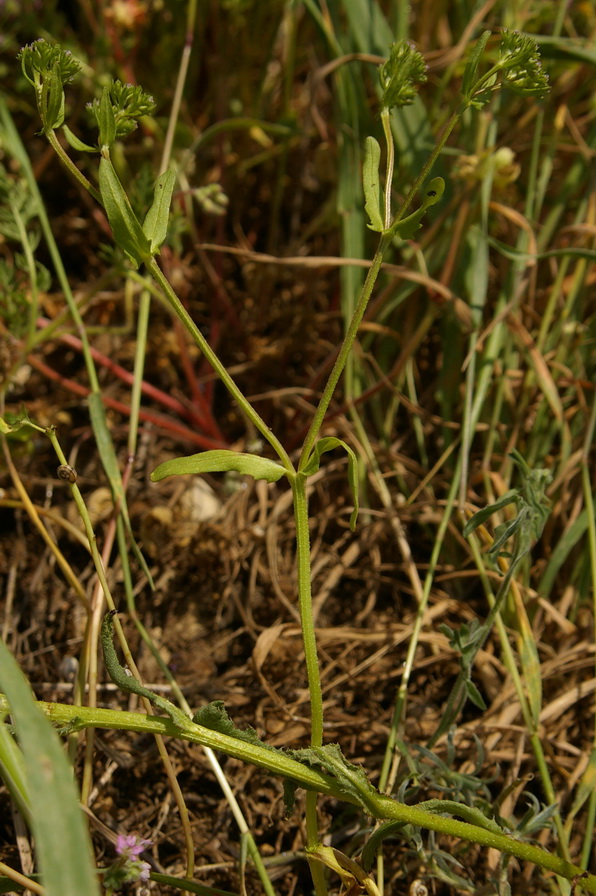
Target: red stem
(149, 416)
(206, 423)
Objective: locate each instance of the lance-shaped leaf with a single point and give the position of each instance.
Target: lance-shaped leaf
(106, 120)
(75, 142)
(482, 515)
(126, 228)
(471, 69)
(13, 772)
(155, 225)
(371, 183)
(314, 462)
(221, 461)
(53, 94)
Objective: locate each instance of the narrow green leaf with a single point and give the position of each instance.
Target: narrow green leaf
(106, 120)
(155, 225)
(188, 886)
(62, 840)
(566, 251)
(503, 533)
(220, 461)
(566, 48)
(530, 664)
(565, 544)
(371, 183)
(471, 68)
(587, 785)
(74, 141)
(474, 695)
(128, 233)
(12, 771)
(482, 515)
(314, 462)
(54, 92)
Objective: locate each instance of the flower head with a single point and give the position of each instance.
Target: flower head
(520, 62)
(400, 74)
(128, 103)
(128, 868)
(41, 57)
(131, 846)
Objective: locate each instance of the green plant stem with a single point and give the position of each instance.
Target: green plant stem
(183, 315)
(303, 571)
(21, 880)
(299, 486)
(274, 761)
(82, 509)
(346, 347)
(386, 122)
(70, 165)
(140, 354)
(187, 886)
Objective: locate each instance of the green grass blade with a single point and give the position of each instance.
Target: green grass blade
(12, 771)
(62, 842)
(109, 461)
(565, 545)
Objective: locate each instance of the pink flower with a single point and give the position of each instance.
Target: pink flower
(130, 846)
(128, 867)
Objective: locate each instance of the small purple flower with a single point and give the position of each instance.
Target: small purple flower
(128, 868)
(130, 846)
